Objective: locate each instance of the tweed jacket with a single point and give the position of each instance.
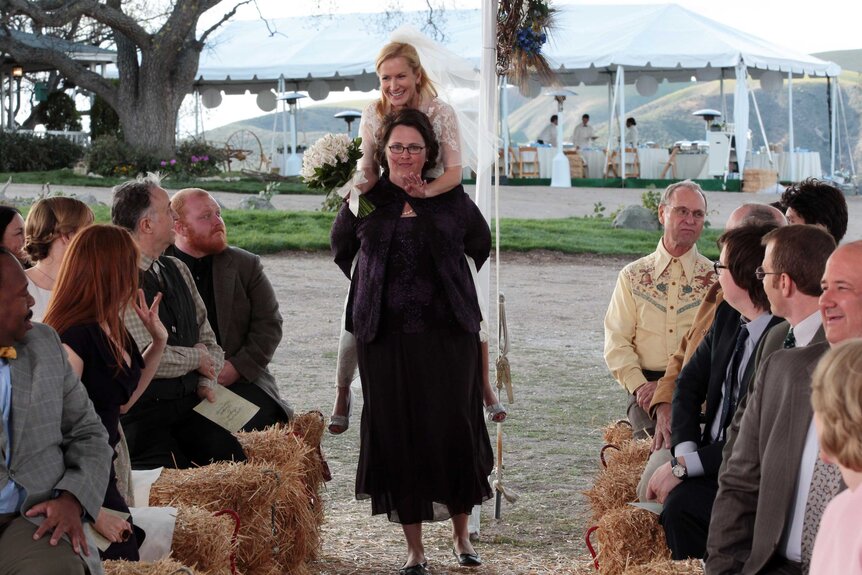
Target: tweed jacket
(455, 227)
(772, 341)
(249, 323)
(758, 485)
(58, 441)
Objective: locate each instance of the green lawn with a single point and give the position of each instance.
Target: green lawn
(272, 232)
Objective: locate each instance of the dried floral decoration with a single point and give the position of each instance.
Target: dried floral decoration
(523, 27)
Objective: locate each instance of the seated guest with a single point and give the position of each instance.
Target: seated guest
(655, 301)
(773, 489)
(54, 453)
(660, 408)
(718, 374)
(12, 231)
(817, 203)
(162, 428)
(241, 305)
(50, 225)
(87, 311)
(836, 394)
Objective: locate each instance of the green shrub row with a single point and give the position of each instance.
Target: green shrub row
(110, 156)
(25, 152)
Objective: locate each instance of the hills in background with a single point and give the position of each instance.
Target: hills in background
(663, 118)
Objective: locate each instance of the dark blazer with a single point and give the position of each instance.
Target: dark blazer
(249, 322)
(455, 227)
(758, 487)
(702, 379)
(58, 441)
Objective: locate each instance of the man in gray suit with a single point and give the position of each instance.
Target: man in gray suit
(760, 522)
(54, 453)
(241, 304)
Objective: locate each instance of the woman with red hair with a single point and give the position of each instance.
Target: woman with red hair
(98, 280)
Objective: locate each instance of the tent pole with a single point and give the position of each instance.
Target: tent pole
(790, 125)
(504, 125)
(762, 129)
(621, 87)
(833, 121)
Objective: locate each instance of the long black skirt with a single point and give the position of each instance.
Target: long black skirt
(425, 453)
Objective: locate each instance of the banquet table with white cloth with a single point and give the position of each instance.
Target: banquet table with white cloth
(652, 161)
(807, 165)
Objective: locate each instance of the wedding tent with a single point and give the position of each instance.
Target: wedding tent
(613, 45)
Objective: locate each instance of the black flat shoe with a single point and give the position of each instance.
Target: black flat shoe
(467, 559)
(418, 569)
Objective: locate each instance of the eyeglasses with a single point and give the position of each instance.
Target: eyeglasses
(412, 149)
(718, 266)
(761, 273)
(685, 213)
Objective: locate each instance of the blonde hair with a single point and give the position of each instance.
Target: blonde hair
(836, 395)
(50, 218)
(408, 52)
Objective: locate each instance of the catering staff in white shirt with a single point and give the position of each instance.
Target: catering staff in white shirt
(549, 133)
(631, 133)
(584, 134)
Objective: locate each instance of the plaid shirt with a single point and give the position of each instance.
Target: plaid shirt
(178, 360)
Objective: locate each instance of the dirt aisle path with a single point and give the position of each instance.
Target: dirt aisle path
(555, 306)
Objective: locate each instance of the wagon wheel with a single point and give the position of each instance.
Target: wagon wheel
(244, 148)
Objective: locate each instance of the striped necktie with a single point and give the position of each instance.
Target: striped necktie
(8, 352)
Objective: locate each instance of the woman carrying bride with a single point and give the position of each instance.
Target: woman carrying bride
(404, 84)
(424, 452)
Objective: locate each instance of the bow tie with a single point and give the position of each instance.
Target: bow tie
(8, 352)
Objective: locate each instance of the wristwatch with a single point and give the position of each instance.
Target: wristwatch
(678, 469)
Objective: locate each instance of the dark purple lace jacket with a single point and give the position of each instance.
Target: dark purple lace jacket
(454, 224)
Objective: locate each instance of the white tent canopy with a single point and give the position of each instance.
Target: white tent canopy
(590, 44)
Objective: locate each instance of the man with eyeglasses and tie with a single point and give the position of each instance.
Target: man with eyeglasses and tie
(655, 300)
(774, 487)
(792, 284)
(162, 428)
(717, 375)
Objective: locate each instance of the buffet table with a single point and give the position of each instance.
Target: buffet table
(652, 161)
(807, 165)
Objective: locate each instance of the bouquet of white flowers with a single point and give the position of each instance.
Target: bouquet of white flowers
(330, 164)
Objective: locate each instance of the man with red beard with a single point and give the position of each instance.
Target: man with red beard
(241, 304)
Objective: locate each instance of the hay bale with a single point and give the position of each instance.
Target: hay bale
(667, 567)
(163, 567)
(618, 432)
(617, 484)
(203, 540)
(279, 531)
(631, 454)
(755, 180)
(294, 449)
(629, 536)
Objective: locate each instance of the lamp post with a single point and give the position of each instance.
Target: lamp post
(17, 74)
(561, 177)
(348, 116)
(292, 163)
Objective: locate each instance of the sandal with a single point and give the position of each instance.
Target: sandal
(338, 424)
(496, 412)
